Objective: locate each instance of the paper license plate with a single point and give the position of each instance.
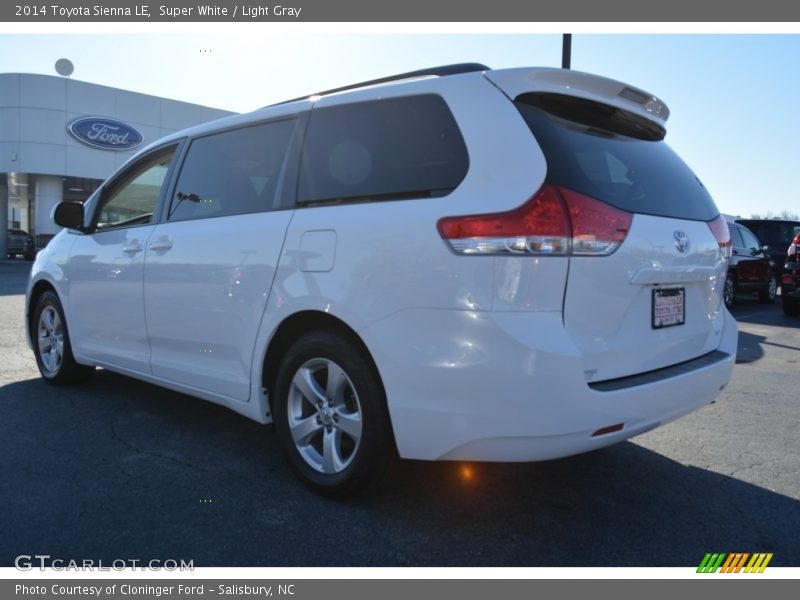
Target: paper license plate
(669, 308)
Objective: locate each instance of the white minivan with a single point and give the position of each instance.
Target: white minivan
(456, 263)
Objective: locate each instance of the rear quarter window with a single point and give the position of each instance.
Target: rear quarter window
(601, 159)
(736, 237)
(393, 148)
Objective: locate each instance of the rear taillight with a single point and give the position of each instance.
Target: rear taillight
(597, 228)
(556, 221)
(719, 227)
(794, 247)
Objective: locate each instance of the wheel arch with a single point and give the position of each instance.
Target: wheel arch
(39, 288)
(296, 325)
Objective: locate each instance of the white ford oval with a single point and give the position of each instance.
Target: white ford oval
(458, 263)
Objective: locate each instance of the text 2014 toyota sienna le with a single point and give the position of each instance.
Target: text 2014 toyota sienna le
(461, 263)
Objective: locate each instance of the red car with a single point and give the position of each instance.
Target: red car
(750, 269)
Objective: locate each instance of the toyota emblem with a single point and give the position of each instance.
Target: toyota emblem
(681, 241)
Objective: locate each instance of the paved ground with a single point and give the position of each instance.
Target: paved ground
(121, 469)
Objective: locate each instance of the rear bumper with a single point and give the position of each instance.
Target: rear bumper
(510, 387)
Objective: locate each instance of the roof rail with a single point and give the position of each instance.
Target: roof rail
(441, 71)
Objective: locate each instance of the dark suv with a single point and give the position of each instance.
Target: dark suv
(776, 235)
(750, 269)
(20, 242)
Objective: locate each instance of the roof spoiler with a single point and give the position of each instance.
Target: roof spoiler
(441, 71)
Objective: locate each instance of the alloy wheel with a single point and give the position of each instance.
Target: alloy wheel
(728, 292)
(325, 417)
(51, 339)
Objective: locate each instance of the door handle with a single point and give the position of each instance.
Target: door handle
(164, 243)
(132, 247)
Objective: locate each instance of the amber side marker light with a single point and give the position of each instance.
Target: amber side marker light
(466, 474)
(609, 429)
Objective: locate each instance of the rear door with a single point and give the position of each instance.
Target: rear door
(210, 264)
(655, 301)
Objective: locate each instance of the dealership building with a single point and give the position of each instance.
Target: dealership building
(60, 138)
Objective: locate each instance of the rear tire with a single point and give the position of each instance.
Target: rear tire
(791, 306)
(330, 414)
(51, 343)
(767, 295)
(729, 291)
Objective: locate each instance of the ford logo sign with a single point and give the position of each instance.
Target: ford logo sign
(104, 133)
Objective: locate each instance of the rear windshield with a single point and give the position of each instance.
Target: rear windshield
(601, 160)
(772, 233)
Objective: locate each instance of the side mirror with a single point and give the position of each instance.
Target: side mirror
(69, 215)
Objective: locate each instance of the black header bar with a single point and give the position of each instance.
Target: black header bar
(187, 11)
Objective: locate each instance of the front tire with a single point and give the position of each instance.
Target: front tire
(51, 343)
(330, 414)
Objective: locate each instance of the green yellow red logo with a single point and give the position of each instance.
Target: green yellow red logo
(734, 562)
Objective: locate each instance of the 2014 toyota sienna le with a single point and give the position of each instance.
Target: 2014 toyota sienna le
(461, 263)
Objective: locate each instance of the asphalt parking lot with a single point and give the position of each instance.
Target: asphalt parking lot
(118, 469)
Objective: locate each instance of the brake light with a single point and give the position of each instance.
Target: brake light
(597, 228)
(555, 221)
(719, 227)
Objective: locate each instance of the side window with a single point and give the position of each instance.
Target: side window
(784, 233)
(133, 199)
(759, 229)
(393, 148)
(233, 172)
(750, 242)
(736, 237)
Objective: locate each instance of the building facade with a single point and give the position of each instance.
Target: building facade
(60, 138)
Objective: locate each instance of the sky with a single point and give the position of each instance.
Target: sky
(733, 98)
